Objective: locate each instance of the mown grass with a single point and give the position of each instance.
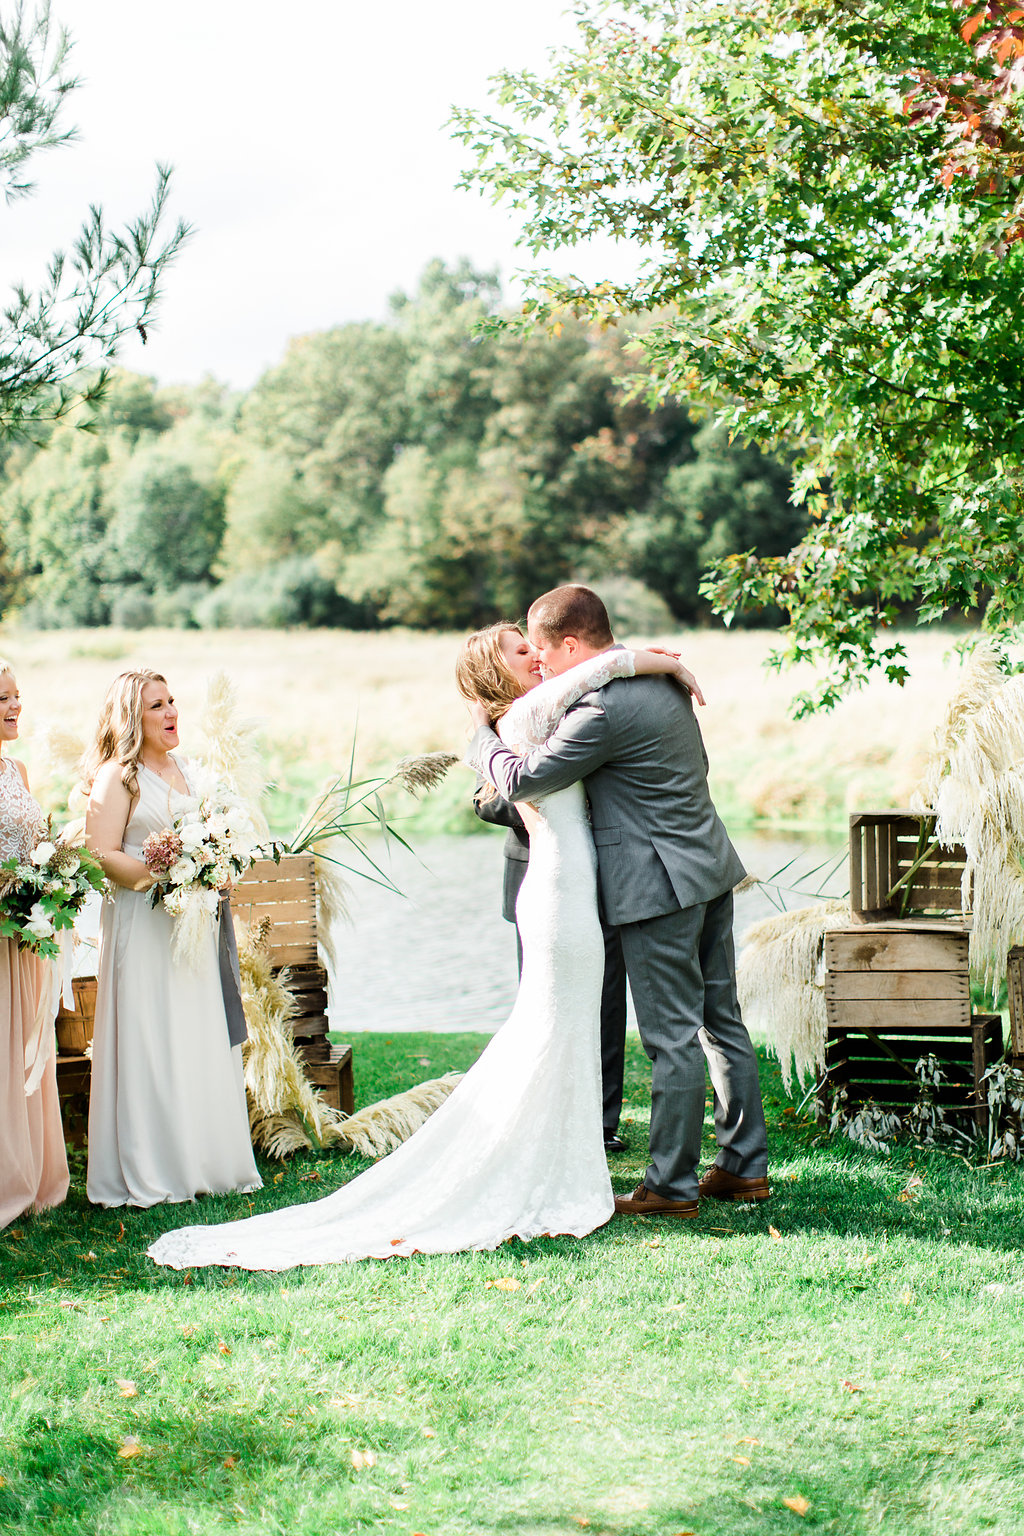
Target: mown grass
(853, 1346)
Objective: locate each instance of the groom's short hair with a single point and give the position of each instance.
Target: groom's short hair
(572, 610)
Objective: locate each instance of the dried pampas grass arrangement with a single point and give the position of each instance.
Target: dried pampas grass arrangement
(974, 787)
(286, 1113)
(381, 1127)
(780, 978)
(231, 749)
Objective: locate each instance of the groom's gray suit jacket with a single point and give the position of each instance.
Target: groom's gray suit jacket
(660, 843)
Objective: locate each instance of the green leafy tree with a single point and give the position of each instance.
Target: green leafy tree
(108, 285)
(816, 279)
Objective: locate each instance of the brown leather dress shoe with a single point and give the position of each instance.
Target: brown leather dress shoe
(644, 1202)
(720, 1184)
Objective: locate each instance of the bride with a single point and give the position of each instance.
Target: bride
(517, 1149)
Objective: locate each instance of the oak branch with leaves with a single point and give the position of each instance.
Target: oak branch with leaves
(816, 279)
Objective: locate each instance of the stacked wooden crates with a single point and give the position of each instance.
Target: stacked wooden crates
(897, 986)
(284, 892)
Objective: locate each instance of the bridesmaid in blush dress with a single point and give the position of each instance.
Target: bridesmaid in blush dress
(167, 1117)
(33, 1162)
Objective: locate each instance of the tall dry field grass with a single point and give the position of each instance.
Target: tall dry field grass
(314, 691)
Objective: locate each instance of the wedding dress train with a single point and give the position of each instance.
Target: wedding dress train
(517, 1149)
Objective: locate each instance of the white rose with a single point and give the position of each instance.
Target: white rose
(43, 854)
(39, 925)
(71, 867)
(181, 872)
(192, 836)
(218, 826)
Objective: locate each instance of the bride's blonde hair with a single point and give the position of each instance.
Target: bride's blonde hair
(482, 675)
(119, 733)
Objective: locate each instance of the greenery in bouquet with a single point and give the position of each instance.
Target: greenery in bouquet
(41, 896)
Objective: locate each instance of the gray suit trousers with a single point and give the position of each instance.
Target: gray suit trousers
(682, 973)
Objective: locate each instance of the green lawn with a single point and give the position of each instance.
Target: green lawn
(854, 1346)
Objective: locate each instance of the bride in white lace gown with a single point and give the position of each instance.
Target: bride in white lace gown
(517, 1150)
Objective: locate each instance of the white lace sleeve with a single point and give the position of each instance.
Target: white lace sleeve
(532, 718)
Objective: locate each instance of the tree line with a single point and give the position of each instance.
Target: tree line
(434, 470)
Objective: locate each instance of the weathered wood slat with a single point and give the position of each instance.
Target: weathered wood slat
(1015, 991)
(856, 985)
(900, 1013)
(877, 948)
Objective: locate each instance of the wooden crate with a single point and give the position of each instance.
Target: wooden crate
(75, 1025)
(897, 991)
(898, 975)
(286, 894)
(878, 1064)
(334, 1078)
(883, 847)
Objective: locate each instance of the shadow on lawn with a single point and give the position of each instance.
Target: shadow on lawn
(61, 1477)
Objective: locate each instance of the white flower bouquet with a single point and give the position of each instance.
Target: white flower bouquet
(210, 843)
(44, 894)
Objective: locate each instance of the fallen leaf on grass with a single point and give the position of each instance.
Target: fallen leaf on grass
(16, 1233)
(851, 1386)
(506, 1283)
(429, 1434)
(742, 1461)
(72, 1306)
(89, 1257)
(797, 1503)
(278, 1177)
(748, 1440)
(775, 1234)
(581, 1520)
(131, 1445)
(223, 1349)
(126, 1388)
(398, 1504)
(187, 1330)
(361, 1459)
(229, 1462)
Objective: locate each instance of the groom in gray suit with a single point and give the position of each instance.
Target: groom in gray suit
(666, 870)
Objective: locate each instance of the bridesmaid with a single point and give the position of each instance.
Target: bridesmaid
(33, 1162)
(167, 1117)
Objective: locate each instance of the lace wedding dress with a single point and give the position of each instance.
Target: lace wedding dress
(33, 1162)
(167, 1112)
(517, 1150)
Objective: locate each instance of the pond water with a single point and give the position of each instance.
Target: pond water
(440, 957)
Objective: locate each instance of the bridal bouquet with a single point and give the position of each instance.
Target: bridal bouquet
(44, 894)
(209, 844)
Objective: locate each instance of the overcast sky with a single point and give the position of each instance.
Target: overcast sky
(310, 154)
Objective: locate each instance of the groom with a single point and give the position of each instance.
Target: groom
(666, 870)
